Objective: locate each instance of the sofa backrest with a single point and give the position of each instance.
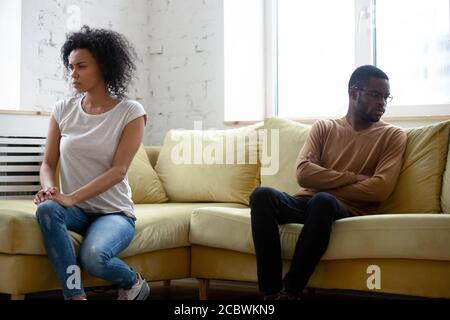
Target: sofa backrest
(419, 187)
(152, 153)
(445, 195)
(289, 138)
(208, 165)
(422, 187)
(435, 138)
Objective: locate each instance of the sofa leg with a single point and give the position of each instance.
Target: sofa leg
(311, 292)
(17, 297)
(203, 287)
(166, 283)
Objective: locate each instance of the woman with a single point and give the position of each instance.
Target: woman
(94, 136)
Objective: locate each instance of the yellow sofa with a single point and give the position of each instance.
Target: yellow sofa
(193, 218)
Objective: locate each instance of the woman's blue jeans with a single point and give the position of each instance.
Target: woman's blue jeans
(105, 235)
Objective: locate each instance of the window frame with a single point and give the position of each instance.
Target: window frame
(365, 53)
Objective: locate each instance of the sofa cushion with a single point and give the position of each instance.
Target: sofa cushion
(152, 154)
(419, 185)
(196, 165)
(19, 230)
(164, 226)
(409, 236)
(158, 226)
(445, 196)
(289, 138)
(144, 181)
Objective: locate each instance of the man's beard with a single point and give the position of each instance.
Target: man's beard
(369, 118)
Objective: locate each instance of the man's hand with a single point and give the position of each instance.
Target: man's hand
(312, 158)
(361, 177)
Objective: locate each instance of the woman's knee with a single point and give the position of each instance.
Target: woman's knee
(92, 260)
(89, 260)
(47, 211)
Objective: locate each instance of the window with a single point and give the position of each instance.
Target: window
(244, 59)
(320, 42)
(315, 53)
(413, 44)
(312, 46)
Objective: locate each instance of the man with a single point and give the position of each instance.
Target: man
(346, 167)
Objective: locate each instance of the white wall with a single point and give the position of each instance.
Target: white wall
(22, 125)
(45, 24)
(10, 30)
(179, 44)
(185, 64)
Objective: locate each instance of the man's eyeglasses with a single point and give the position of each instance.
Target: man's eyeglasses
(376, 94)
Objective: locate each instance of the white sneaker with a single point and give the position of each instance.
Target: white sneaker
(139, 291)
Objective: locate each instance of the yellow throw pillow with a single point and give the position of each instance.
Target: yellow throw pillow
(144, 182)
(445, 196)
(210, 165)
(152, 154)
(285, 138)
(418, 189)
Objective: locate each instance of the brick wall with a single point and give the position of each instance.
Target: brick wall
(179, 44)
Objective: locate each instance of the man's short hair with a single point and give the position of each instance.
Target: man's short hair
(360, 77)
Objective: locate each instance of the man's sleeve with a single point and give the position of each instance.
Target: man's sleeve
(313, 176)
(378, 187)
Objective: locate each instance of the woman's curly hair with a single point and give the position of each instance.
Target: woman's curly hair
(112, 51)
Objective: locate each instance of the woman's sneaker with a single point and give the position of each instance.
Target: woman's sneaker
(139, 291)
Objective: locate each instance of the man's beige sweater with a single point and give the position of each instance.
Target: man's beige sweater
(343, 153)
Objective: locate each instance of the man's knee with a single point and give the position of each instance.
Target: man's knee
(324, 197)
(324, 203)
(261, 195)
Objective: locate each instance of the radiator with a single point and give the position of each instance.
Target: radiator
(20, 160)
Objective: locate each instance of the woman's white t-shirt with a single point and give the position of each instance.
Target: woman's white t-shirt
(87, 148)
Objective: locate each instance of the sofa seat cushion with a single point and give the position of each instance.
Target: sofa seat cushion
(409, 236)
(158, 226)
(164, 226)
